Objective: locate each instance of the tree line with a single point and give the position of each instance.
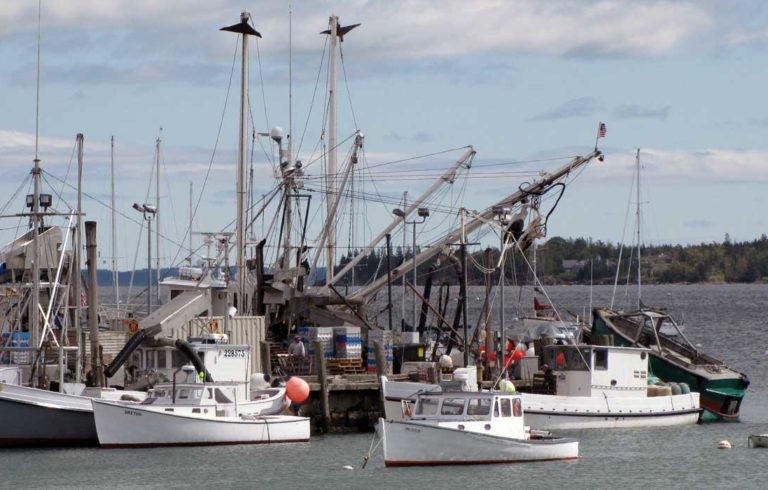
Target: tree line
(579, 261)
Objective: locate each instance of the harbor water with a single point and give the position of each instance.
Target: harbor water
(727, 321)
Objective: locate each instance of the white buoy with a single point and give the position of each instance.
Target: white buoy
(724, 445)
(348, 467)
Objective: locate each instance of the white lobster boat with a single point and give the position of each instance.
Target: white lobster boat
(196, 414)
(606, 387)
(468, 428)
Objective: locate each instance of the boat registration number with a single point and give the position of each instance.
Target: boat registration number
(234, 353)
(133, 412)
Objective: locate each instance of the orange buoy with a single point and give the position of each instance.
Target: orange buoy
(297, 389)
(517, 355)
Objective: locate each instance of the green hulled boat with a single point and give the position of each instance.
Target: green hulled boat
(674, 358)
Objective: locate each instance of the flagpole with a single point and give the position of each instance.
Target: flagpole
(597, 136)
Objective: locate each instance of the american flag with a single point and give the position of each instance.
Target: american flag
(601, 130)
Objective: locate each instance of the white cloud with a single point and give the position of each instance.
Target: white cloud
(408, 29)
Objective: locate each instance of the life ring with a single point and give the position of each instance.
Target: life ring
(133, 325)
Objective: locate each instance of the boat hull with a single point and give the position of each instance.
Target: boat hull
(409, 443)
(120, 425)
(721, 391)
(34, 417)
(550, 412)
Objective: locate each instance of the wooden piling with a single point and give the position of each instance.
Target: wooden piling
(266, 358)
(381, 360)
(322, 377)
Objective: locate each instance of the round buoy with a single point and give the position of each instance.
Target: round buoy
(446, 362)
(724, 445)
(506, 386)
(297, 389)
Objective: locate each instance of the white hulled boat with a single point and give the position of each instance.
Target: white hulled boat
(605, 387)
(468, 428)
(194, 414)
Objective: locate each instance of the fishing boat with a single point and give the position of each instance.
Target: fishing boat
(675, 358)
(468, 428)
(193, 414)
(591, 387)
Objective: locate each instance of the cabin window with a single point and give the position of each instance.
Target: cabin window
(210, 393)
(221, 397)
(506, 407)
(575, 359)
(452, 406)
(601, 359)
(479, 406)
(496, 408)
(178, 359)
(161, 360)
(183, 394)
(427, 406)
(517, 407)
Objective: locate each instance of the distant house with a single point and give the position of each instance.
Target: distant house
(572, 265)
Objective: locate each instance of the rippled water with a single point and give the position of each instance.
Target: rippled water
(727, 320)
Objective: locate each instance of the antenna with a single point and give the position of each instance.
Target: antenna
(290, 84)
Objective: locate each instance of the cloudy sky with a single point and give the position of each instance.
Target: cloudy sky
(524, 82)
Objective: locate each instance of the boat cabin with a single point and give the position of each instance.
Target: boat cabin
(227, 363)
(593, 370)
(490, 413)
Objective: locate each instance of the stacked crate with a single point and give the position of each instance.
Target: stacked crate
(384, 337)
(348, 342)
(310, 335)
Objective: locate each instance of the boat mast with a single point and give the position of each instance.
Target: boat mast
(115, 277)
(331, 168)
(157, 217)
(34, 319)
(245, 30)
(639, 283)
(191, 198)
(337, 34)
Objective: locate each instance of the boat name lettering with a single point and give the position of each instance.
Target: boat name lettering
(411, 429)
(133, 412)
(234, 353)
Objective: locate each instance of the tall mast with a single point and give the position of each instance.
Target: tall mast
(191, 198)
(639, 283)
(244, 29)
(34, 305)
(331, 168)
(337, 34)
(157, 216)
(115, 277)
